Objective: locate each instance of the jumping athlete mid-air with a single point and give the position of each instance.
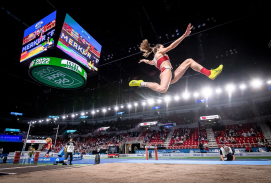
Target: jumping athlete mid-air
(162, 62)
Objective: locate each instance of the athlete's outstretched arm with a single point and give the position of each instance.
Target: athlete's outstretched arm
(175, 43)
(150, 62)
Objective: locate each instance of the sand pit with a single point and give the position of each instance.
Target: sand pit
(140, 172)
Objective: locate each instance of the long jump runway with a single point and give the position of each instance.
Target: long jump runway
(11, 169)
(180, 161)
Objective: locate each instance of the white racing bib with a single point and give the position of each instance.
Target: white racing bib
(70, 147)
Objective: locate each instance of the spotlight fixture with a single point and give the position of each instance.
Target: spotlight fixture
(256, 83)
(242, 86)
(196, 94)
(167, 98)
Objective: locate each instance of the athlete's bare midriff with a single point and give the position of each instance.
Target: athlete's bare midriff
(165, 63)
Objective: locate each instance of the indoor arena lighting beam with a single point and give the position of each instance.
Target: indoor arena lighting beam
(73, 115)
(207, 91)
(230, 88)
(242, 86)
(63, 117)
(92, 112)
(218, 90)
(159, 101)
(186, 95)
(256, 83)
(150, 101)
(82, 114)
(143, 103)
(116, 108)
(136, 104)
(129, 106)
(167, 98)
(104, 110)
(176, 98)
(196, 94)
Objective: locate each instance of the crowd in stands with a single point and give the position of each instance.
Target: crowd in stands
(154, 137)
(241, 135)
(185, 138)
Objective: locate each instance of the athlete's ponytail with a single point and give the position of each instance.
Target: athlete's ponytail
(146, 48)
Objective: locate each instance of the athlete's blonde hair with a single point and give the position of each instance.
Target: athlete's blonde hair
(145, 47)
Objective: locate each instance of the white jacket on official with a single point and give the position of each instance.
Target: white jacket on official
(224, 154)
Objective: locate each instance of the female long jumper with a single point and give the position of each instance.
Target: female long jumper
(162, 62)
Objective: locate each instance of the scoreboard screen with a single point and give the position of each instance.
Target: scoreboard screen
(39, 37)
(78, 44)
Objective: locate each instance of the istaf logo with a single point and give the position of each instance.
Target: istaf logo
(38, 25)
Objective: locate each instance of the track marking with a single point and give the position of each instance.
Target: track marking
(7, 173)
(21, 167)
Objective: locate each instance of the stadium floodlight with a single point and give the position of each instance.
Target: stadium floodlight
(86, 112)
(136, 104)
(150, 101)
(39, 120)
(82, 114)
(167, 98)
(230, 88)
(159, 100)
(121, 106)
(116, 108)
(109, 108)
(33, 122)
(143, 103)
(55, 118)
(73, 115)
(47, 119)
(97, 110)
(176, 97)
(67, 116)
(93, 112)
(186, 95)
(129, 106)
(207, 91)
(256, 83)
(268, 82)
(76, 114)
(63, 117)
(104, 110)
(196, 94)
(218, 90)
(242, 86)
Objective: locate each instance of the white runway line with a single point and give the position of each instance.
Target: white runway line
(8, 173)
(21, 167)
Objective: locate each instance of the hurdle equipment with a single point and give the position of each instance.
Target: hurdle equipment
(155, 150)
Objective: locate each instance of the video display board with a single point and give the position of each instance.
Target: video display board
(12, 130)
(77, 43)
(39, 37)
(10, 138)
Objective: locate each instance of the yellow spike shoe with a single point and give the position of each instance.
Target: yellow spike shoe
(135, 82)
(215, 72)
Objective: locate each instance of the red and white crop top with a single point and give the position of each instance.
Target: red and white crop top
(159, 62)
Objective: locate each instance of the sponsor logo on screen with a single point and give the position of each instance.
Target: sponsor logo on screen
(38, 25)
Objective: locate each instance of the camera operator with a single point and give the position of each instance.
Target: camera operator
(70, 150)
(226, 154)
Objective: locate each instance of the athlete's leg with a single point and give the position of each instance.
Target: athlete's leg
(165, 77)
(179, 72)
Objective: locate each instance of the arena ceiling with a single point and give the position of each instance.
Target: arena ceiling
(235, 34)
